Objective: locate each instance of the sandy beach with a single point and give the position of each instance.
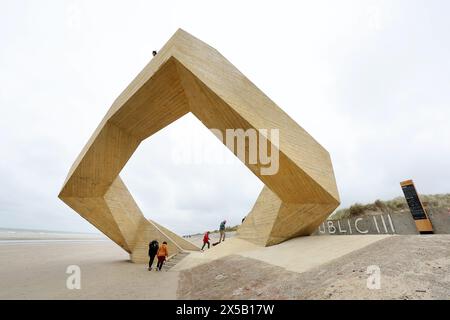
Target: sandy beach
(33, 265)
(411, 267)
(325, 267)
(37, 270)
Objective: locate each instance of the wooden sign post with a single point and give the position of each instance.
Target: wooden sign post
(418, 212)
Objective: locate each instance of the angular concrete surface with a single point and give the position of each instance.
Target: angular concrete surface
(298, 255)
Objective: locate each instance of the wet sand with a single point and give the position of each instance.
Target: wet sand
(24, 235)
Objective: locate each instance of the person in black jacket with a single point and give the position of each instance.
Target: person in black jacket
(153, 247)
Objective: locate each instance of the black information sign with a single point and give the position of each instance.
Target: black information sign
(414, 204)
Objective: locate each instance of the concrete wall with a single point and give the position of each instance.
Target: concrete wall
(440, 218)
(389, 223)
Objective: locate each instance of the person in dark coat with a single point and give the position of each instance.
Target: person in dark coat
(153, 247)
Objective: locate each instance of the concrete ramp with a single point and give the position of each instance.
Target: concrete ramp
(298, 255)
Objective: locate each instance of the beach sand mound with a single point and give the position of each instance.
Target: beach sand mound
(411, 267)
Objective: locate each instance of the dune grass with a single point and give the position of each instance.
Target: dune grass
(394, 205)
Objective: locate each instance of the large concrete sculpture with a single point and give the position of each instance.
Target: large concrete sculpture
(186, 76)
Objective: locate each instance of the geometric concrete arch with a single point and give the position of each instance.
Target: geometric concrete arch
(185, 76)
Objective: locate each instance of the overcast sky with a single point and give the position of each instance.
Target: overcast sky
(370, 80)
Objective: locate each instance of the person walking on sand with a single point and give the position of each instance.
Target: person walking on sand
(153, 247)
(162, 255)
(206, 240)
(222, 230)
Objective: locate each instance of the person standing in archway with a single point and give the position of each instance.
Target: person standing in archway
(222, 231)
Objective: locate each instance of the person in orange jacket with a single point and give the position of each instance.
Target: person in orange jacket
(162, 254)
